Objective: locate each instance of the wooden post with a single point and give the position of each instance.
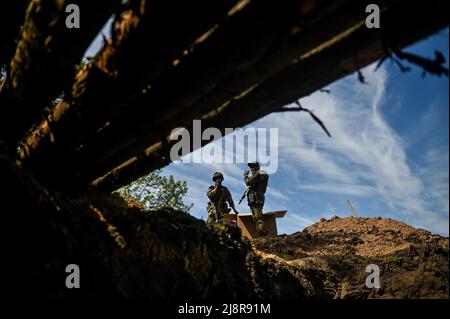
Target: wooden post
(354, 212)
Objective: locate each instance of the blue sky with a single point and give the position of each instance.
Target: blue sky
(388, 155)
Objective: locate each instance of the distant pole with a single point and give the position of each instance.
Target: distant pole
(351, 206)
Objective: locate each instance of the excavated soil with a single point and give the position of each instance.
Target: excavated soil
(127, 252)
(413, 262)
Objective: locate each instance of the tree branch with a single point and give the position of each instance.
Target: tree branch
(300, 108)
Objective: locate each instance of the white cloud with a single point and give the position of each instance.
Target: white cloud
(365, 158)
(435, 175)
(343, 189)
(276, 193)
(293, 223)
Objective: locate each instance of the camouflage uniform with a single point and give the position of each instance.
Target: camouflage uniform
(257, 184)
(217, 206)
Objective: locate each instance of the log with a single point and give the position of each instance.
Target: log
(44, 62)
(226, 55)
(355, 51)
(218, 71)
(109, 84)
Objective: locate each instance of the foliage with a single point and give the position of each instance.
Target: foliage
(80, 65)
(155, 191)
(392, 260)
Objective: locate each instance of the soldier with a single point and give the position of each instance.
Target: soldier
(257, 185)
(219, 196)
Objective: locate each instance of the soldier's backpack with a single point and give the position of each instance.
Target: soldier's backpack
(263, 181)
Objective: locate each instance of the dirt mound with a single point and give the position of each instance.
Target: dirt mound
(334, 253)
(125, 251)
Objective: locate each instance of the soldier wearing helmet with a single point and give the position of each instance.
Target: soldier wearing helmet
(257, 185)
(219, 199)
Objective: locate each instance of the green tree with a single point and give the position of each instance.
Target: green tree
(80, 65)
(155, 191)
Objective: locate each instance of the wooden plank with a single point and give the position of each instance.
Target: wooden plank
(44, 61)
(277, 214)
(153, 34)
(218, 71)
(248, 227)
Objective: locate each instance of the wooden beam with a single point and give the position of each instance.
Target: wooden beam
(143, 46)
(44, 61)
(351, 53)
(237, 56)
(227, 56)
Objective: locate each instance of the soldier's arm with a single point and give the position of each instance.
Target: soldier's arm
(211, 193)
(249, 181)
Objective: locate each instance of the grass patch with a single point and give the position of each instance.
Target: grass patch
(392, 260)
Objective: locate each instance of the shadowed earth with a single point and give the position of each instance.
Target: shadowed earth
(124, 251)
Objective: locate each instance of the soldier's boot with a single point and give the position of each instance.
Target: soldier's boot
(259, 220)
(261, 228)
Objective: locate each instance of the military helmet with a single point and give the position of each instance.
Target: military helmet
(253, 164)
(217, 175)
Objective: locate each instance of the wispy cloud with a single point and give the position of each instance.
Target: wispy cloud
(343, 189)
(366, 159)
